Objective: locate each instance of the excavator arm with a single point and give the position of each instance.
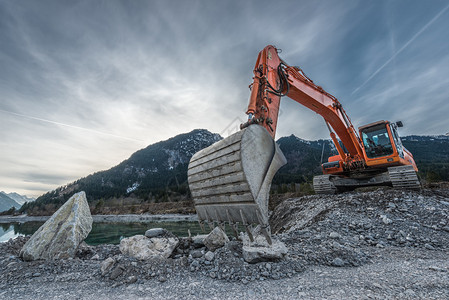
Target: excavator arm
(273, 78)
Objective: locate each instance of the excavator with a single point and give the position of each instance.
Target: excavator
(231, 179)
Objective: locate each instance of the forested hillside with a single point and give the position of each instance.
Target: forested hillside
(158, 173)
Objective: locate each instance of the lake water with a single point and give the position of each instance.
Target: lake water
(105, 233)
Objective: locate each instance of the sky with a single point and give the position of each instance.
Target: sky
(84, 84)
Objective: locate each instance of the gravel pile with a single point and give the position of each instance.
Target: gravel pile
(329, 238)
(225, 263)
(343, 230)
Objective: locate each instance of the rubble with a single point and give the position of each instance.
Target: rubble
(155, 232)
(328, 237)
(259, 249)
(142, 247)
(217, 238)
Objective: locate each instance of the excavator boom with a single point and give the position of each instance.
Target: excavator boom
(273, 78)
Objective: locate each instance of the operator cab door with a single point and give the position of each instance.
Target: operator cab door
(377, 141)
(397, 139)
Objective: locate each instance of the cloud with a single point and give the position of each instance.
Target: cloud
(396, 53)
(84, 82)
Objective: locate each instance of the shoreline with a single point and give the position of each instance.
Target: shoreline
(128, 218)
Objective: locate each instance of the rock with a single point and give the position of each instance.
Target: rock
(385, 219)
(198, 240)
(268, 267)
(216, 239)
(154, 232)
(195, 264)
(95, 257)
(260, 250)
(338, 262)
(117, 272)
(410, 293)
(196, 253)
(60, 236)
(429, 247)
(209, 256)
(334, 235)
(143, 248)
(438, 269)
(106, 265)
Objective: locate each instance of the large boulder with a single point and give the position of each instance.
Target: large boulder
(143, 248)
(61, 235)
(217, 238)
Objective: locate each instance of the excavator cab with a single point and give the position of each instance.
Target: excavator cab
(377, 141)
(382, 145)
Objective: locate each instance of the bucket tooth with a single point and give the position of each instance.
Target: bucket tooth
(249, 231)
(230, 180)
(248, 227)
(222, 226)
(261, 221)
(235, 229)
(209, 221)
(201, 225)
(211, 225)
(242, 216)
(265, 229)
(232, 224)
(228, 216)
(218, 219)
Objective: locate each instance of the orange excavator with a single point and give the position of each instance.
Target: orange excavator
(230, 180)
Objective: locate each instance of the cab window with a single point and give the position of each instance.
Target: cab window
(377, 141)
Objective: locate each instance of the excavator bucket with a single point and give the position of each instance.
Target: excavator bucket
(230, 180)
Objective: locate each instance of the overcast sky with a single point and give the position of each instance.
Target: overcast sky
(84, 84)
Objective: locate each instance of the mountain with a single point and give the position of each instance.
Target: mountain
(431, 154)
(158, 173)
(6, 203)
(18, 198)
(303, 159)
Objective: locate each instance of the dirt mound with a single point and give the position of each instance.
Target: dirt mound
(341, 230)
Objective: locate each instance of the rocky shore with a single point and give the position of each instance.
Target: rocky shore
(143, 218)
(383, 244)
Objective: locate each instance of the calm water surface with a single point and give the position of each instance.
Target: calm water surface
(104, 233)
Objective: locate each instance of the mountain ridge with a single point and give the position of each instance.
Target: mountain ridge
(21, 199)
(158, 172)
(7, 203)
